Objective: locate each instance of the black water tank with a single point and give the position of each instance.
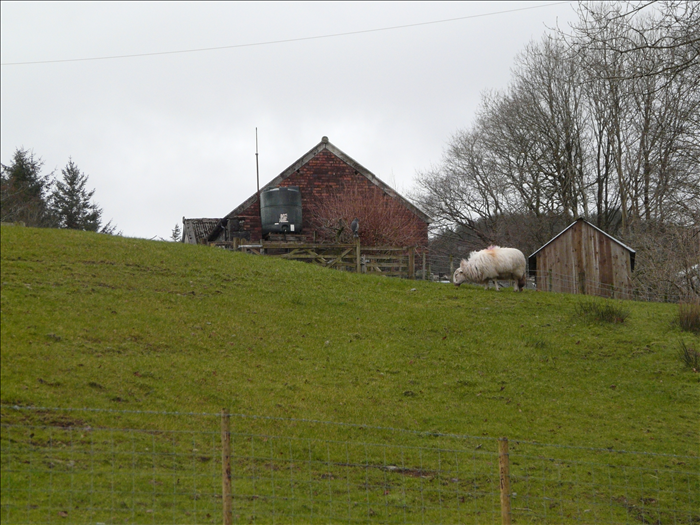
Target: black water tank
(280, 210)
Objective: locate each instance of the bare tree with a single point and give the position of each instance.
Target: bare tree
(669, 29)
(464, 193)
(602, 123)
(524, 157)
(382, 219)
(644, 114)
(537, 131)
(668, 261)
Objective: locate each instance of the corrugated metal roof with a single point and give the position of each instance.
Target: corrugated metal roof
(198, 229)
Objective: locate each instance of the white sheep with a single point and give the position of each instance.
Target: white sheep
(493, 263)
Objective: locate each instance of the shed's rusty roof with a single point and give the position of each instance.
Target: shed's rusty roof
(197, 230)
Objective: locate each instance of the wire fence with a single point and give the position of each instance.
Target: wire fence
(424, 264)
(439, 267)
(156, 467)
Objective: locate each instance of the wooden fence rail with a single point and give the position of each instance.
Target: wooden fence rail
(392, 261)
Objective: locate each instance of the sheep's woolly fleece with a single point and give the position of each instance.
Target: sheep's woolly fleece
(491, 264)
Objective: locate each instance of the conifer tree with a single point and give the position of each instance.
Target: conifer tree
(176, 234)
(24, 190)
(71, 202)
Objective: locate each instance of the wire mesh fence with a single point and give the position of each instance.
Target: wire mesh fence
(422, 264)
(301, 471)
(564, 484)
(109, 475)
(440, 267)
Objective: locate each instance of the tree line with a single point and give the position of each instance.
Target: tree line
(600, 121)
(36, 199)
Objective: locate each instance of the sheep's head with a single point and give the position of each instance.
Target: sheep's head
(458, 277)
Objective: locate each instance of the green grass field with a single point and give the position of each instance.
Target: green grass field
(126, 326)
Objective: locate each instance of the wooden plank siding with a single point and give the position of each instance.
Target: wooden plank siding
(584, 259)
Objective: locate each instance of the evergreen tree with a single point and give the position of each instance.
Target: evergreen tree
(24, 190)
(71, 203)
(176, 233)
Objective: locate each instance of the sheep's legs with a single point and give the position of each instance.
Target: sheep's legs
(518, 284)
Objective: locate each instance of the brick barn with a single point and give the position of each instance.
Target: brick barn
(584, 259)
(324, 175)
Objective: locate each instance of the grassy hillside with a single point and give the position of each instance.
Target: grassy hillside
(102, 322)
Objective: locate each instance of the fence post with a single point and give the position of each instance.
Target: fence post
(411, 263)
(424, 266)
(582, 283)
(226, 466)
(504, 474)
(358, 267)
(452, 270)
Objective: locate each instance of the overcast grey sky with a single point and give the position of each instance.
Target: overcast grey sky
(171, 135)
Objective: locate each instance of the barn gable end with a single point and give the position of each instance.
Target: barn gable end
(324, 171)
(584, 259)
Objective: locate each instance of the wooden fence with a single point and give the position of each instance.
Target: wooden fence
(406, 261)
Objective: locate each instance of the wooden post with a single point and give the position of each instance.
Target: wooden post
(504, 474)
(452, 271)
(582, 283)
(424, 266)
(411, 263)
(358, 266)
(226, 466)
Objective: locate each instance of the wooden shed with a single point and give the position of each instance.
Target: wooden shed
(584, 259)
